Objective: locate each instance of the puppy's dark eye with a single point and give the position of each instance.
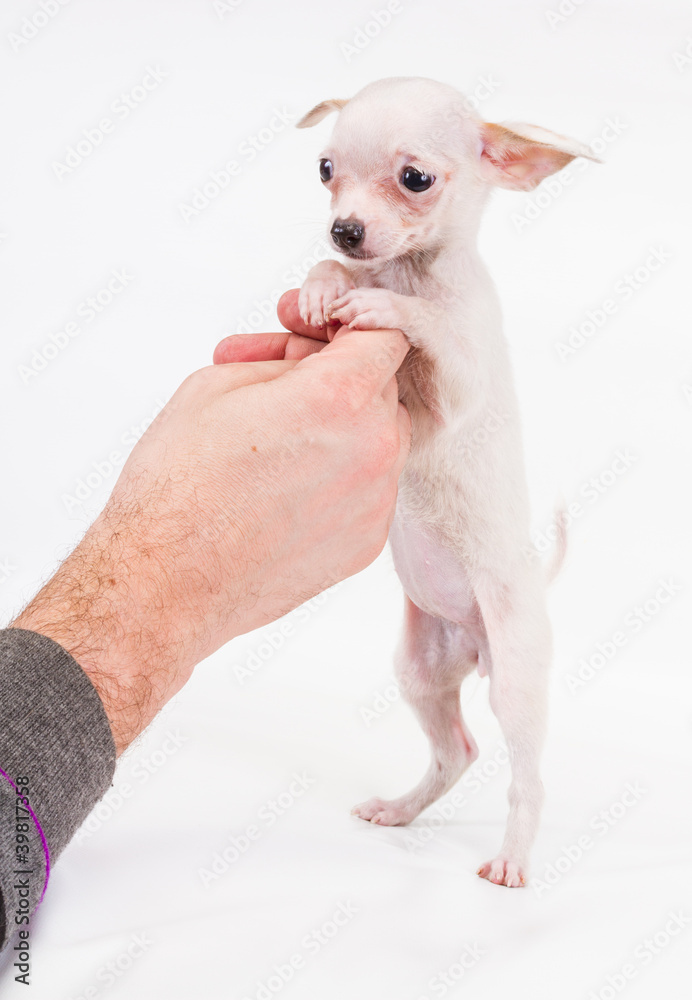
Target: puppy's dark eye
(326, 170)
(414, 180)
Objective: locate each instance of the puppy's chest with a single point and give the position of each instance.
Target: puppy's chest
(421, 383)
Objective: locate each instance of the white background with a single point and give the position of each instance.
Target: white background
(136, 870)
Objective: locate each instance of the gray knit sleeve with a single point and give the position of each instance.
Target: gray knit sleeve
(57, 758)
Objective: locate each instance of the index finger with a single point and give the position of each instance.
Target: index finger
(264, 347)
(372, 357)
(289, 316)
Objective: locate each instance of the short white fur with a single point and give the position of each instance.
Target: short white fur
(475, 591)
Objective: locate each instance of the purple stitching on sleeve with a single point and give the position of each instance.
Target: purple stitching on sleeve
(40, 831)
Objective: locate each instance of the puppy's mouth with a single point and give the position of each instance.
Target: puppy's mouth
(357, 254)
(381, 256)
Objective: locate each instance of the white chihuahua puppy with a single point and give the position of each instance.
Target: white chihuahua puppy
(410, 168)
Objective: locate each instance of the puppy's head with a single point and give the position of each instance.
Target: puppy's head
(409, 166)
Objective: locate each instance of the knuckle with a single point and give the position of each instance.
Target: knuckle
(200, 380)
(346, 401)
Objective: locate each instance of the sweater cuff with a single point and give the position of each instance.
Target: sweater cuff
(57, 758)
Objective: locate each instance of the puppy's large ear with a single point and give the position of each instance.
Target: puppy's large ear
(321, 111)
(520, 156)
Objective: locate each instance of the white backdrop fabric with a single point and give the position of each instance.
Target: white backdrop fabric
(224, 863)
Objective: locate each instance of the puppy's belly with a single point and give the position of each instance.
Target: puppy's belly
(431, 575)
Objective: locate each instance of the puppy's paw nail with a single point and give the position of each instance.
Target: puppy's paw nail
(503, 871)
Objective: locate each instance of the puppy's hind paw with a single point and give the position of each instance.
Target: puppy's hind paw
(382, 813)
(502, 871)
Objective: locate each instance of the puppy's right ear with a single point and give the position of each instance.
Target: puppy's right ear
(321, 111)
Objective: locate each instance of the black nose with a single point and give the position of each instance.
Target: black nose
(348, 235)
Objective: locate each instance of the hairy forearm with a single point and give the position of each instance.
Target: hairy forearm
(257, 486)
(108, 606)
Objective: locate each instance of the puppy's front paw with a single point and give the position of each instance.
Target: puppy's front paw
(369, 309)
(318, 293)
(503, 871)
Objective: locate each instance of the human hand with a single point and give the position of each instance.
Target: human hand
(301, 340)
(257, 486)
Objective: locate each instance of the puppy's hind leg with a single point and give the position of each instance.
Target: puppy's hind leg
(519, 641)
(434, 657)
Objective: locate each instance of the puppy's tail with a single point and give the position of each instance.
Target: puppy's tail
(560, 550)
